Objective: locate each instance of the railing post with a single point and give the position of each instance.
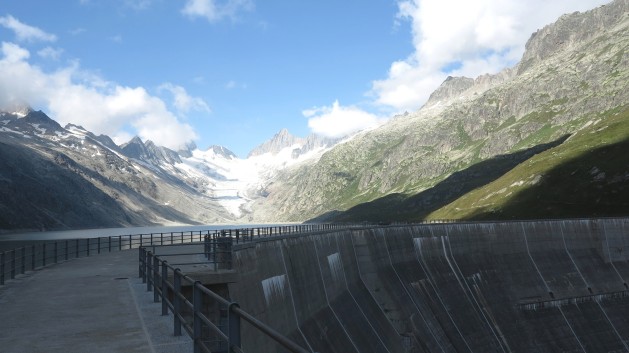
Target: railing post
(177, 300)
(44, 255)
(66, 250)
(23, 259)
(233, 324)
(2, 257)
(149, 272)
(164, 288)
(98, 244)
(109, 243)
(143, 264)
(13, 264)
(120, 243)
(155, 276)
(33, 257)
(77, 248)
(197, 303)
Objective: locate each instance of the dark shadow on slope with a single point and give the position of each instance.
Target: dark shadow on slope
(595, 184)
(400, 207)
(38, 193)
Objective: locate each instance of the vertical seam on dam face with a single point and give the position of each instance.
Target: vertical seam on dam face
(420, 260)
(528, 251)
(588, 285)
(290, 291)
(386, 246)
(563, 237)
(314, 243)
(609, 253)
(351, 238)
(527, 286)
(338, 248)
(477, 306)
(613, 327)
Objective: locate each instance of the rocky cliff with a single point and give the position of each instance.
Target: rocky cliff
(572, 70)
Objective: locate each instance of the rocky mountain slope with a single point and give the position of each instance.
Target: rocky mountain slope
(545, 138)
(299, 146)
(54, 177)
(571, 72)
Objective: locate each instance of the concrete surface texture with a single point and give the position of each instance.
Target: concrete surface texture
(91, 304)
(547, 286)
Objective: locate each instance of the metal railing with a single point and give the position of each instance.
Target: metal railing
(168, 284)
(209, 334)
(41, 254)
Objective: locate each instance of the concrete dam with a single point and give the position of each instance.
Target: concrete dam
(539, 286)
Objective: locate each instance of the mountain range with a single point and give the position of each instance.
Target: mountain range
(545, 138)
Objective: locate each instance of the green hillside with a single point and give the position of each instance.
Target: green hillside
(586, 176)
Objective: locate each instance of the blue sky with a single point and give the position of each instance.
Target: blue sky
(234, 72)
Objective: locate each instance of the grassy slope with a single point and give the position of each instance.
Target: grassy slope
(588, 175)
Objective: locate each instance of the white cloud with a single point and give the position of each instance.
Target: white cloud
(339, 121)
(13, 53)
(72, 95)
(460, 37)
(50, 53)
(215, 10)
(183, 102)
(24, 32)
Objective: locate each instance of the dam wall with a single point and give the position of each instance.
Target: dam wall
(543, 286)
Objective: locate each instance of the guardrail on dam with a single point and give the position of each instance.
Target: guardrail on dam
(539, 286)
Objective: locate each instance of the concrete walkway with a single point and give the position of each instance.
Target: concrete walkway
(91, 304)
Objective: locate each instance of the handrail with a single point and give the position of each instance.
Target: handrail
(155, 273)
(29, 258)
(41, 254)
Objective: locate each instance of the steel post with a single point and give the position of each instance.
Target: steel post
(233, 324)
(13, 264)
(155, 276)
(197, 303)
(140, 257)
(149, 272)
(164, 288)
(177, 301)
(23, 260)
(2, 257)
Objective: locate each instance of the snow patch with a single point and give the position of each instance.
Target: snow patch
(234, 182)
(38, 128)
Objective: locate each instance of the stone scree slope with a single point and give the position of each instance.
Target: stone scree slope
(545, 286)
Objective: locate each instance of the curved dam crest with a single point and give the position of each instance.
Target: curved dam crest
(539, 286)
